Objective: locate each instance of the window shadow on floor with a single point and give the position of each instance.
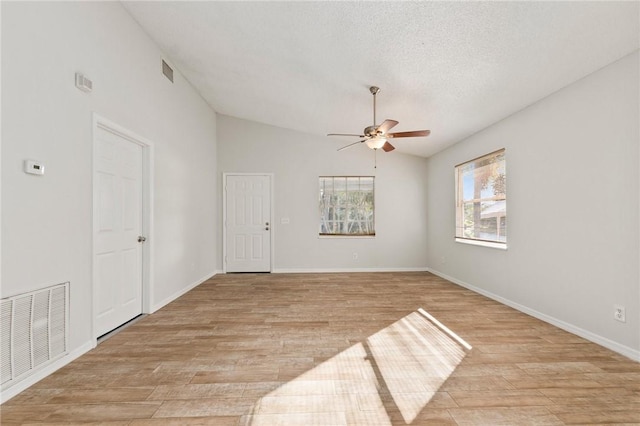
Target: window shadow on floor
(386, 379)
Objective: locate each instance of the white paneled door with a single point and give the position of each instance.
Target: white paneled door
(118, 238)
(248, 223)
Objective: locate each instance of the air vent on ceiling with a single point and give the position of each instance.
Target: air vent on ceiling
(167, 71)
(83, 83)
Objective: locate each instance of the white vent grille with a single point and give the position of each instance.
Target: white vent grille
(167, 71)
(34, 329)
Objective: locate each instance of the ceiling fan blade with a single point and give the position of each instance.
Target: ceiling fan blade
(388, 147)
(413, 134)
(387, 125)
(344, 134)
(351, 144)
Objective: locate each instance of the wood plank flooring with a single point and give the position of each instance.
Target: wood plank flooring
(336, 349)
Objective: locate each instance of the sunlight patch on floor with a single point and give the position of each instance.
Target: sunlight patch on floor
(397, 369)
(414, 358)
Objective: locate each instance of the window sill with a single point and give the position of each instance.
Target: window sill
(348, 237)
(499, 246)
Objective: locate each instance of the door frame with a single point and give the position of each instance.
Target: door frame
(101, 123)
(224, 216)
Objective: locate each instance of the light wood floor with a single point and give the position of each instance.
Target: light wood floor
(336, 349)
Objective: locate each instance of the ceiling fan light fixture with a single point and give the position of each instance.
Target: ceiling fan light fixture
(376, 142)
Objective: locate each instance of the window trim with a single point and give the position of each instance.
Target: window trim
(481, 156)
(459, 205)
(363, 236)
(482, 243)
(347, 236)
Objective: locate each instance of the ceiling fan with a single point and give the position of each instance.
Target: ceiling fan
(376, 137)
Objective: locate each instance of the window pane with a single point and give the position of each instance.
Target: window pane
(353, 184)
(484, 178)
(486, 220)
(339, 184)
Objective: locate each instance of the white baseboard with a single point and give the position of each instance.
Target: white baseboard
(180, 292)
(344, 270)
(602, 341)
(34, 378)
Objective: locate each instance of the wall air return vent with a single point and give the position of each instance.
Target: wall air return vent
(34, 331)
(167, 71)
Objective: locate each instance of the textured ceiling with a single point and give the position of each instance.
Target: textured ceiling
(451, 67)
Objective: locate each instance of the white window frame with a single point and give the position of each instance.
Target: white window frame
(346, 235)
(460, 202)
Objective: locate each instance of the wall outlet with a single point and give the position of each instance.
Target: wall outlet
(619, 313)
(355, 256)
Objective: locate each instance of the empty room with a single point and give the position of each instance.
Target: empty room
(295, 213)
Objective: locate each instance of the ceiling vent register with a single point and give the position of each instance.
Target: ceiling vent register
(167, 71)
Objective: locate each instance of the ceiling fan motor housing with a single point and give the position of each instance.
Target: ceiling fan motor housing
(371, 131)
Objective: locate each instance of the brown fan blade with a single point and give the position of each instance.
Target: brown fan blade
(388, 147)
(413, 134)
(387, 125)
(344, 134)
(351, 144)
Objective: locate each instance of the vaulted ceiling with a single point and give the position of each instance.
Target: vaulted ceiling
(451, 67)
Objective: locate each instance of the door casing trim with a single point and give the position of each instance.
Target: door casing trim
(102, 123)
(224, 216)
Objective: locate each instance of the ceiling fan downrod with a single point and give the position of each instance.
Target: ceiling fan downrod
(374, 91)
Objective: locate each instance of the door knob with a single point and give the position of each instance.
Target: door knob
(141, 239)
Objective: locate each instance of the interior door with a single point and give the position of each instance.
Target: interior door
(248, 223)
(117, 231)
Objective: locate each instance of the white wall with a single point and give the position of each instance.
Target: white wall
(573, 208)
(46, 221)
(297, 159)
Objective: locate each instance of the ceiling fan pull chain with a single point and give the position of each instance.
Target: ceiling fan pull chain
(375, 158)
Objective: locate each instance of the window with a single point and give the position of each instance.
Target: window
(346, 205)
(481, 200)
